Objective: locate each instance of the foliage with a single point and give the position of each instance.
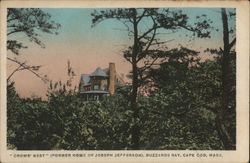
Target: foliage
(175, 116)
(67, 122)
(165, 128)
(147, 45)
(30, 22)
(27, 121)
(193, 93)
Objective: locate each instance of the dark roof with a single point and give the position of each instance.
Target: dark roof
(97, 72)
(95, 91)
(100, 72)
(85, 79)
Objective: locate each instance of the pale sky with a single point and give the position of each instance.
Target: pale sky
(88, 48)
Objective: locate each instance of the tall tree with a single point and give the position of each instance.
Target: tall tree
(30, 22)
(215, 81)
(146, 48)
(226, 84)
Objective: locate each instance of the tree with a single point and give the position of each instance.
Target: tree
(192, 93)
(146, 48)
(214, 87)
(30, 22)
(227, 88)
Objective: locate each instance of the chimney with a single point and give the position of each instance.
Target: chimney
(112, 77)
(122, 78)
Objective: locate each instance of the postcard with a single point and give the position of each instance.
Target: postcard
(127, 81)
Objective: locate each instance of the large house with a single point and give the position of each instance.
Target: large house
(101, 82)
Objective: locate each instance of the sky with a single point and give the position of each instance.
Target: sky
(89, 47)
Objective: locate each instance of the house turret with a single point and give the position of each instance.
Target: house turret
(99, 83)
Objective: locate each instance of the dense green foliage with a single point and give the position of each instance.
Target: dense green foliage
(178, 114)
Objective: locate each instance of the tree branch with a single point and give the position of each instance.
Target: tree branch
(142, 15)
(149, 31)
(232, 43)
(17, 69)
(32, 69)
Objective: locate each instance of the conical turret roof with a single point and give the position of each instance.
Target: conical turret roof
(99, 72)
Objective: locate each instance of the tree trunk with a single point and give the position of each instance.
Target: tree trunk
(135, 128)
(221, 114)
(223, 134)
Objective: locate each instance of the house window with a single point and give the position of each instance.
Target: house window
(96, 87)
(105, 87)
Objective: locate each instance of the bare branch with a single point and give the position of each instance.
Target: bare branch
(232, 43)
(32, 69)
(16, 31)
(149, 31)
(148, 65)
(17, 69)
(142, 15)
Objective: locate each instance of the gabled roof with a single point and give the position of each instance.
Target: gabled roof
(100, 72)
(85, 79)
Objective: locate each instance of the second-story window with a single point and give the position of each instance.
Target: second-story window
(105, 87)
(96, 87)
